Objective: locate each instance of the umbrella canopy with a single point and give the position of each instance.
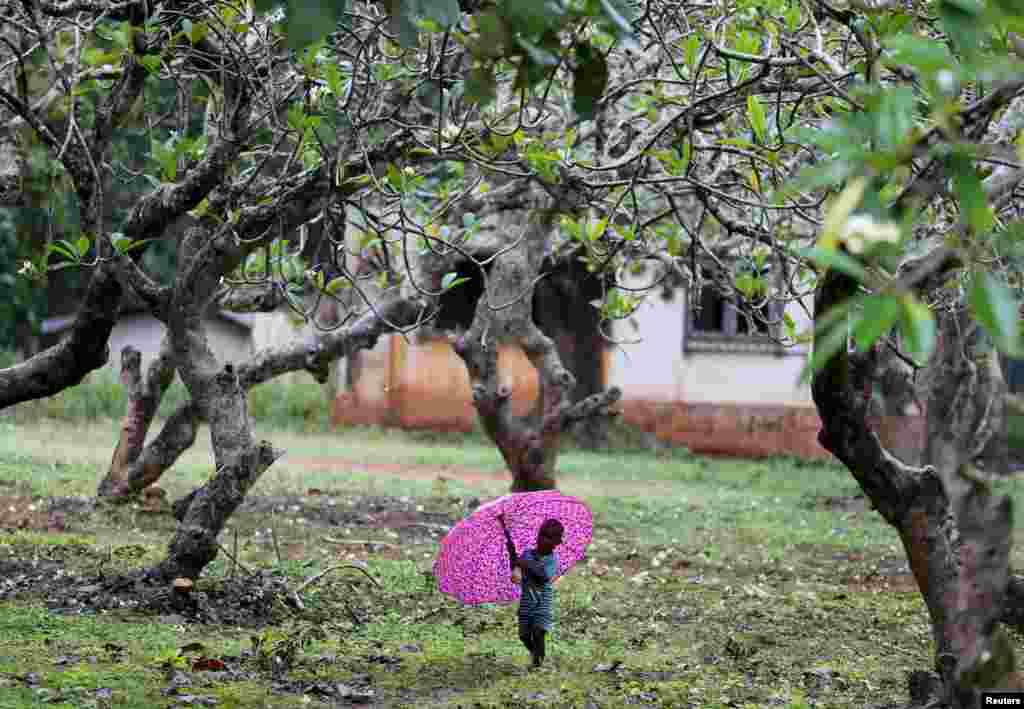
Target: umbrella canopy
(473, 564)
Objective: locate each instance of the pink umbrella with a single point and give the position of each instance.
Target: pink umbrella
(473, 564)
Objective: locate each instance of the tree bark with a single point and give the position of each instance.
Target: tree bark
(81, 351)
(957, 534)
(504, 315)
(562, 309)
(240, 463)
(144, 396)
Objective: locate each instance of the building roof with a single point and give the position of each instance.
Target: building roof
(60, 323)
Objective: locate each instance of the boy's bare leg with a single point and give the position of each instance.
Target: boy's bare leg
(526, 636)
(538, 650)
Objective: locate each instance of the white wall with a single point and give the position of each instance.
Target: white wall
(145, 333)
(648, 369)
(723, 377)
(657, 370)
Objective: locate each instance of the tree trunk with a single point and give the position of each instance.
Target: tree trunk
(144, 397)
(219, 398)
(955, 532)
(504, 315)
(562, 310)
(239, 466)
(81, 351)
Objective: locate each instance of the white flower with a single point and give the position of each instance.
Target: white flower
(861, 230)
(318, 92)
(450, 132)
(27, 269)
(409, 171)
(947, 82)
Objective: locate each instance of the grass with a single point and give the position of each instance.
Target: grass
(714, 582)
(293, 401)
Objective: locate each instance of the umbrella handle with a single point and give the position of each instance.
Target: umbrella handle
(509, 544)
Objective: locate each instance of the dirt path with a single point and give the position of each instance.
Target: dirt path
(475, 477)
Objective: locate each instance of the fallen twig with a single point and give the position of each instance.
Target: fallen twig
(316, 577)
(234, 559)
(273, 538)
(429, 614)
(354, 542)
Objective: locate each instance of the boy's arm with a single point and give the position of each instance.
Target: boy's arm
(509, 545)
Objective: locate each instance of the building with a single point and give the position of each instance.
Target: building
(712, 380)
(230, 334)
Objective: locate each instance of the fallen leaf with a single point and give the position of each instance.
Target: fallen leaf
(208, 664)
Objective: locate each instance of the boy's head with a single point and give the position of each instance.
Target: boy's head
(549, 536)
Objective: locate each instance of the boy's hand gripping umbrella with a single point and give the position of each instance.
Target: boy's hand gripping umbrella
(474, 562)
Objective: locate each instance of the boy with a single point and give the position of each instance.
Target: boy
(537, 567)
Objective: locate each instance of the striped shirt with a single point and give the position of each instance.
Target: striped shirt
(536, 606)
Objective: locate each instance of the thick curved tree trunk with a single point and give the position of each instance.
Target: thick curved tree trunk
(239, 464)
(955, 532)
(504, 315)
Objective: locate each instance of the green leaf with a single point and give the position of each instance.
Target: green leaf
(789, 324)
(691, 51)
(616, 11)
(97, 57)
(540, 56)
(133, 245)
(402, 21)
(962, 22)
(481, 85)
(82, 245)
(151, 62)
(748, 284)
(395, 177)
(924, 54)
(590, 78)
(997, 309)
(333, 77)
(120, 242)
(530, 17)
(918, 328)
(758, 119)
(296, 117)
(65, 248)
(451, 279)
(974, 207)
(880, 315)
(308, 21)
(839, 260)
(830, 337)
(444, 12)
(336, 284)
(197, 32)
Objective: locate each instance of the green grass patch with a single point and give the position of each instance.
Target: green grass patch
(290, 402)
